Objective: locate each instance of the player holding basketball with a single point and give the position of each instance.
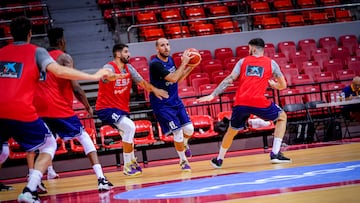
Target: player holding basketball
(170, 112)
(112, 104)
(53, 101)
(255, 73)
(21, 65)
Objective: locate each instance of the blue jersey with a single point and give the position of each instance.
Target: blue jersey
(158, 71)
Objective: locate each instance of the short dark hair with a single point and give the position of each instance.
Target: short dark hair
(55, 35)
(118, 47)
(257, 42)
(20, 27)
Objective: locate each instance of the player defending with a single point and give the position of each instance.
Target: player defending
(54, 99)
(21, 65)
(171, 113)
(112, 104)
(255, 73)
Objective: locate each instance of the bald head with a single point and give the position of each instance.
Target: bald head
(162, 48)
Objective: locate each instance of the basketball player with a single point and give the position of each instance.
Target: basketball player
(21, 65)
(170, 112)
(53, 101)
(255, 73)
(112, 104)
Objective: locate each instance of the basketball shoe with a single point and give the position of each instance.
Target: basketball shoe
(104, 184)
(188, 151)
(216, 163)
(136, 165)
(130, 170)
(51, 174)
(28, 196)
(185, 166)
(278, 158)
(41, 189)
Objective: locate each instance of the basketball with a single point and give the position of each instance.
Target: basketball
(197, 57)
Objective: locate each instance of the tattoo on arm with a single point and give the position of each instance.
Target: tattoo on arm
(223, 85)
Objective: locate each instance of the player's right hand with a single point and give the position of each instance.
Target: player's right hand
(205, 98)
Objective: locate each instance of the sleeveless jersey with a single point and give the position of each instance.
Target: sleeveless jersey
(54, 96)
(254, 75)
(115, 94)
(19, 76)
(161, 83)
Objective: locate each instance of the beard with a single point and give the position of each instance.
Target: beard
(124, 60)
(164, 55)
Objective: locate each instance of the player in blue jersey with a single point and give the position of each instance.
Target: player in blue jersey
(170, 112)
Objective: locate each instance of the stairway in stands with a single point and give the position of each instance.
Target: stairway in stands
(88, 39)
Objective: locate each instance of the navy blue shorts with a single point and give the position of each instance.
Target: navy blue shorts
(110, 116)
(240, 114)
(65, 128)
(172, 118)
(29, 135)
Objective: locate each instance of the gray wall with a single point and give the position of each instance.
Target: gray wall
(233, 40)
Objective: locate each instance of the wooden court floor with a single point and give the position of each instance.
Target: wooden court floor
(235, 163)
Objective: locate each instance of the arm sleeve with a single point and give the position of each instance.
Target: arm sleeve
(108, 66)
(275, 69)
(158, 71)
(43, 59)
(134, 74)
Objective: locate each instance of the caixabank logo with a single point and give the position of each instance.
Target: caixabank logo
(10, 69)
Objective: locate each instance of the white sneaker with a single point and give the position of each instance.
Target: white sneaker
(52, 175)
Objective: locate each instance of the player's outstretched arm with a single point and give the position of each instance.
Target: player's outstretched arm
(73, 74)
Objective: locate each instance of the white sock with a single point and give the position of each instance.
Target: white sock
(51, 169)
(182, 155)
(30, 171)
(34, 180)
(98, 171)
(133, 155)
(127, 158)
(186, 141)
(222, 153)
(276, 145)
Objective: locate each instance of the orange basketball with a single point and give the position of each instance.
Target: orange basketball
(197, 57)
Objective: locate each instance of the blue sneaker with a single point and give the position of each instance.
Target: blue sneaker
(130, 170)
(278, 158)
(216, 163)
(136, 165)
(188, 151)
(185, 166)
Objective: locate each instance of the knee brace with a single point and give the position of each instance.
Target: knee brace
(178, 136)
(188, 129)
(49, 146)
(127, 126)
(86, 142)
(4, 153)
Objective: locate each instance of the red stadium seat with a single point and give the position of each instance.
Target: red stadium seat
(195, 12)
(164, 138)
(218, 76)
(350, 42)
(153, 34)
(271, 23)
(222, 53)
(328, 43)
(343, 15)
(171, 15)
(205, 54)
(197, 75)
(204, 126)
(341, 53)
(242, 51)
(290, 96)
(110, 137)
(146, 17)
(15, 151)
(353, 63)
(269, 50)
(299, 58)
(333, 65)
(312, 70)
(294, 20)
(280, 59)
(204, 29)
(196, 108)
(218, 10)
(144, 132)
(323, 77)
(196, 82)
(308, 46)
(178, 32)
(206, 89)
(301, 79)
(345, 74)
(288, 48)
(320, 55)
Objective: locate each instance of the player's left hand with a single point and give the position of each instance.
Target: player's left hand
(160, 93)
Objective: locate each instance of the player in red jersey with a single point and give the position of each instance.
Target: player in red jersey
(21, 65)
(255, 73)
(53, 102)
(112, 104)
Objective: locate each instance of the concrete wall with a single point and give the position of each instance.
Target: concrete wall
(233, 40)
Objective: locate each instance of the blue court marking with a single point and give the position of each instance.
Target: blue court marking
(252, 181)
